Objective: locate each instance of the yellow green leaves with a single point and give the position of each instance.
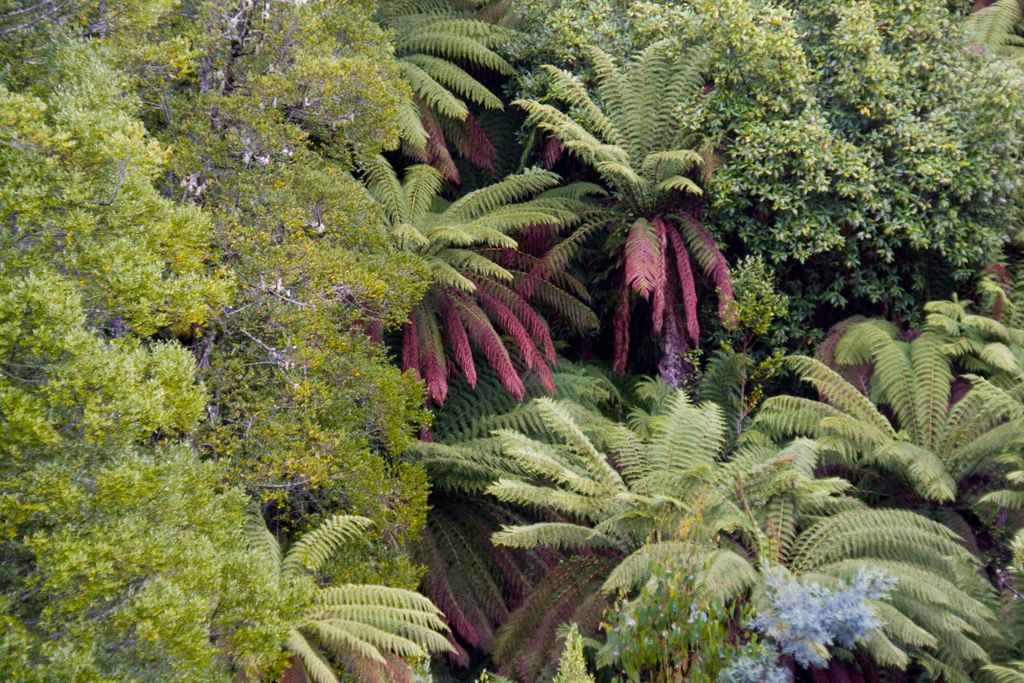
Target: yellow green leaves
(77, 172)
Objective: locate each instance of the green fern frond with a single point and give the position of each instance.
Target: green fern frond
(386, 189)
(1003, 674)
(439, 41)
(316, 667)
(437, 97)
(679, 183)
(839, 393)
(315, 547)
(515, 188)
(263, 541)
(569, 89)
(556, 535)
(455, 79)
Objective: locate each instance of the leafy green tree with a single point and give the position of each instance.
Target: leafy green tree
(264, 124)
(472, 294)
(628, 132)
(123, 556)
(862, 153)
(369, 628)
(134, 570)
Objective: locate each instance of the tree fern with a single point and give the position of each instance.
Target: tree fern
(924, 436)
(626, 130)
(991, 344)
(478, 301)
(930, 440)
(435, 43)
(369, 629)
(629, 497)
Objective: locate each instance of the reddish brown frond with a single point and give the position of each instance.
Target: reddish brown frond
(621, 330)
(551, 151)
(534, 323)
(432, 357)
(411, 347)
(711, 260)
(570, 592)
(434, 550)
(536, 239)
(437, 150)
(661, 287)
(474, 144)
(510, 322)
(487, 339)
(642, 258)
(458, 340)
(686, 284)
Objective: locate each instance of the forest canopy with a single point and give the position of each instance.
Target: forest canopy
(511, 340)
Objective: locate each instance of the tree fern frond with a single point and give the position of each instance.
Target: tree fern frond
(1003, 674)
(512, 189)
(893, 372)
(344, 643)
(568, 88)
(411, 128)
(557, 535)
(315, 547)
(263, 541)
(420, 187)
(643, 259)
(661, 164)
(883, 651)
(383, 184)
(438, 41)
(433, 93)
(838, 392)
(992, 26)
(679, 183)
(316, 667)
(455, 79)
(569, 593)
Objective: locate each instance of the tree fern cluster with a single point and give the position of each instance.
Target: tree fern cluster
(596, 486)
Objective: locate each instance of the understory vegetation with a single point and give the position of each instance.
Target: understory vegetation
(511, 340)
